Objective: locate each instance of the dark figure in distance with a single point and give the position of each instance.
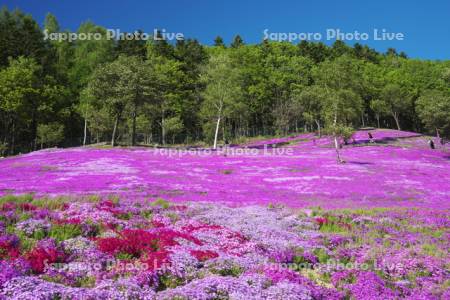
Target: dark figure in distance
(431, 143)
(370, 137)
(225, 147)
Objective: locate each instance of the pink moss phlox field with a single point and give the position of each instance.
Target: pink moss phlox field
(272, 219)
(89, 248)
(398, 169)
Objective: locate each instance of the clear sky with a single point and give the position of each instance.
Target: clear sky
(424, 24)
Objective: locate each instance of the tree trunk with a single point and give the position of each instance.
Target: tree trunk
(163, 131)
(33, 131)
(397, 122)
(85, 131)
(13, 137)
(336, 146)
(116, 123)
(223, 130)
(133, 129)
(437, 133)
(378, 120)
(318, 128)
(217, 132)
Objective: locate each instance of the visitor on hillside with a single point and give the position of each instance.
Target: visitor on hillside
(370, 137)
(431, 143)
(225, 147)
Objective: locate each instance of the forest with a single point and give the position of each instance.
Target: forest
(155, 92)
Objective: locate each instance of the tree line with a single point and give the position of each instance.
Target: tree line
(155, 92)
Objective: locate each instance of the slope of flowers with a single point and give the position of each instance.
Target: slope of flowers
(96, 248)
(260, 143)
(398, 169)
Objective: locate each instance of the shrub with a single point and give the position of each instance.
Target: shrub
(321, 255)
(62, 232)
(51, 203)
(9, 246)
(27, 198)
(40, 256)
(131, 242)
(151, 247)
(204, 255)
(50, 134)
(161, 203)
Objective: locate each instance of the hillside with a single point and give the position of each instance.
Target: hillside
(398, 169)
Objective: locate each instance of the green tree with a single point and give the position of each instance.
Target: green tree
(133, 46)
(434, 111)
(256, 92)
(63, 49)
(50, 134)
(218, 42)
(172, 127)
(192, 57)
(19, 83)
(169, 80)
(125, 82)
(237, 42)
(379, 108)
(339, 48)
(311, 101)
(86, 109)
(222, 89)
(84, 57)
(285, 72)
(20, 35)
(396, 101)
(341, 80)
(318, 52)
(341, 107)
(105, 85)
(89, 54)
(158, 46)
(26, 95)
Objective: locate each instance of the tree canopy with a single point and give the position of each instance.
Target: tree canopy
(133, 91)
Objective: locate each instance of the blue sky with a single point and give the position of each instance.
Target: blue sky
(425, 24)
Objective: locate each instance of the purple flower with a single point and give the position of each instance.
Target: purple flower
(282, 256)
(7, 272)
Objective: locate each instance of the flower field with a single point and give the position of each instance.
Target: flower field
(398, 170)
(278, 222)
